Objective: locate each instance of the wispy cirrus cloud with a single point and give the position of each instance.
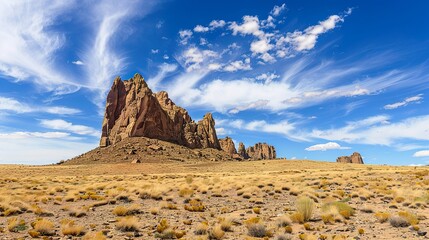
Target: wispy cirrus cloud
(102, 59)
(415, 99)
(29, 43)
(15, 106)
(60, 124)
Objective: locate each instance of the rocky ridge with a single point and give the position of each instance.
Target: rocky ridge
(142, 126)
(354, 158)
(133, 110)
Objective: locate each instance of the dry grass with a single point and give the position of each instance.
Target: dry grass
(128, 224)
(214, 201)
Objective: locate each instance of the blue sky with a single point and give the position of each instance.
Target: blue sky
(316, 80)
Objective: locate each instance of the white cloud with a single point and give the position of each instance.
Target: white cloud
(304, 82)
(238, 65)
(154, 51)
(268, 78)
(78, 62)
(40, 147)
(194, 58)
(166, 57)
(164, 69)
(306, 40)
(13, 105)
(200, 28)
(214, 66)
(423, 153)
(260, 46)
(326, 146)
(414, 99)
(29, 43)
(378, 130)
(259, 104)
(102, 61)
(184, 36)
(284, 127)
(217, 24)
(203, 41)
(22, 135)
(223, 132)
(250, 26)
(59, 124)
(278, 9)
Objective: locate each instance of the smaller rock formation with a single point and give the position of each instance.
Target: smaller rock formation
(242, 151)
(227, 145)
(354, 158)
(261, 151)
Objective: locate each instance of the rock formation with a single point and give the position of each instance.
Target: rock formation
(354, 158)
(242, 151)
(261, 151)
(132, 110)
(227, 145)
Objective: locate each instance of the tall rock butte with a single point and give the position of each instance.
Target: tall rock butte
(354, 158)
(133, 110)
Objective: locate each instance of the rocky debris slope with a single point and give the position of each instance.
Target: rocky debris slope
(354, 158)
(133, 110)
(146, 150)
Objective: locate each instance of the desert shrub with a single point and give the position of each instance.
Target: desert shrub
(44, 227)
(16, 225)
(94, 236)
(382, 216)
(127, 224)
(257, 230)
(288, 229)
(69, 227)
(216, 232)
(411, 218)
(284, 221)
(120, 211)
(226, 225)
(297, 217)
(283, 237)
(343, 208)
(305, 206)
(162, 225)
(186, 192)
(397, 221)
(195, 206)
(201, 229)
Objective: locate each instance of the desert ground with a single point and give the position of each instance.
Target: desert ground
(276, 199)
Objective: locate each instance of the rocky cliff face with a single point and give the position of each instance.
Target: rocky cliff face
(354, 158)
(242, 151)
(132, 110)
(228, 146)
(261, 151)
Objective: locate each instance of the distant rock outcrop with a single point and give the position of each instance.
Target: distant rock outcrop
(261, 151)
(242, 151)
(132, 110)
(354, 158)
(227, 145)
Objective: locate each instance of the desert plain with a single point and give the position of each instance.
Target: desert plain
(266, 199)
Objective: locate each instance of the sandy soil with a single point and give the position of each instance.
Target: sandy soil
(197, 200)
